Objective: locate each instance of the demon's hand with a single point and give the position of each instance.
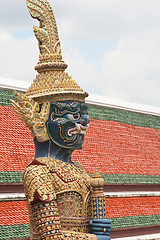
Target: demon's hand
(101, 228)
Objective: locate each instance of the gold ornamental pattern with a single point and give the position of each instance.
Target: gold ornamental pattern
(55, 86)
(51, 81)
(53, 177)
(38, 178)
(64, 190)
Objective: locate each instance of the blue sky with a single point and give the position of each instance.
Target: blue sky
(112, 47)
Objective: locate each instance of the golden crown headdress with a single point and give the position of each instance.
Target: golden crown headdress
(52, 82)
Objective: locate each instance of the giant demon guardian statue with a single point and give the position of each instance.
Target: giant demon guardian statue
(63, 201)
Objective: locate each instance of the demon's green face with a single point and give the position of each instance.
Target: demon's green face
(68, 123)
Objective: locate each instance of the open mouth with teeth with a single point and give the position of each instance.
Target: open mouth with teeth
(79, 128)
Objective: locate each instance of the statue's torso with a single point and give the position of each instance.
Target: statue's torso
(68, 183)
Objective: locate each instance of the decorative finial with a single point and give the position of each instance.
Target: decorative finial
(97, 196)
(47, 35)
(97, 182)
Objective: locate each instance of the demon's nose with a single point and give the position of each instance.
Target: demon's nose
(85, 121)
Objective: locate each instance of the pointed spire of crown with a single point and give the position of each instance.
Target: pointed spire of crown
(51, 83)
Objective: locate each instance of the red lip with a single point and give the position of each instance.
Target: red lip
(71, 130)
(82, 128)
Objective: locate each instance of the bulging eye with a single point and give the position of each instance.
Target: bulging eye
(73, 117)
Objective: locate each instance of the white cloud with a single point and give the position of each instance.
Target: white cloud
(133, 69)
(14, 15)
(107, 18)
(129, 71)
(18, 57)
(82, 71)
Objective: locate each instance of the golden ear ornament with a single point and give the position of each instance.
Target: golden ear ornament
(32, 116)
